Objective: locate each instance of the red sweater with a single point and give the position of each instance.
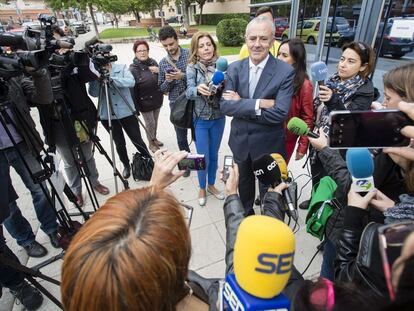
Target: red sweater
(302, 107)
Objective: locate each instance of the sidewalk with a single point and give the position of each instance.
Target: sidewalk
(207, 229)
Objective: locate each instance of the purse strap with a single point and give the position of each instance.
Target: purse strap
(167, 58)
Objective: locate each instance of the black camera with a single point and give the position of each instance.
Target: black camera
(75, 58)
(101, 54)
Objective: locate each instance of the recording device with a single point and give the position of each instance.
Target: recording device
(268, 172)
(370, 129)
(218, 76)
(299, 127)
(228, 162)
(263, 259)
(361, 166)
(222, 64)
(319, 72)
(101, 54)
(193, 162)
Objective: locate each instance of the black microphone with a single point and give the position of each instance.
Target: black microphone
(267, 171)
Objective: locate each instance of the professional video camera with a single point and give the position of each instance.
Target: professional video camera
(19, 51)
(101, 54)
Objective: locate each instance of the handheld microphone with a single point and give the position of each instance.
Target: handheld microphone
(299, 127)
(285, 177)
(361, 166)
(218, 76)
(266, 170)
(319, 72)
(263, 259)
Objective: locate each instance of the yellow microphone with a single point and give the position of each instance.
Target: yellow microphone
(282, 165)
(263, 256)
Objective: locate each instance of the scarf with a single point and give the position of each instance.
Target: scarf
(208, 68)
(344, 90)
(148, 62)
(404, 210)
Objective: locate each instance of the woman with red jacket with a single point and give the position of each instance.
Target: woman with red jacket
(292, 51)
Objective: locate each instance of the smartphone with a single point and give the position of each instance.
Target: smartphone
(170, 70)
(228, 162)
(193, 162)
(367, 129)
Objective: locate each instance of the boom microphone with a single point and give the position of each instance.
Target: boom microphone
(281, 163)
(361, 166)
(319, 72)
(299, 127)
(263, 259)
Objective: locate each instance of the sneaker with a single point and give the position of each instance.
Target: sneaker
(304, 204)
(28, 295)
(126, 173)
(35, 249)
(54, 239)
(187, 173)
(101, 189)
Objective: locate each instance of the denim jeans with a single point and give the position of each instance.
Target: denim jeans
(182, 139)
(328, 260)
(16, 224)
(208, 135)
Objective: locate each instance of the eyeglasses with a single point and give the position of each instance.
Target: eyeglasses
(141, 51)
(188, 213)
(392, 235)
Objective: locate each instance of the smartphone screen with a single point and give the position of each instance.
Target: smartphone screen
(367, 129)
(193, 162)
(228, 162)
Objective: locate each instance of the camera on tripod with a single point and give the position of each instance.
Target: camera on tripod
(101, 54)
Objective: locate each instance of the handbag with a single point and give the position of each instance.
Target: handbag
(181, 108)
(142, 167)
(321, 207)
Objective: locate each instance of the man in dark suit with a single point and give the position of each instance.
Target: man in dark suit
(258, 95)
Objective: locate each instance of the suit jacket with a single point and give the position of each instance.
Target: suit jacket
(253, 134)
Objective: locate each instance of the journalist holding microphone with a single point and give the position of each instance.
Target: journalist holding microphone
(209, 121)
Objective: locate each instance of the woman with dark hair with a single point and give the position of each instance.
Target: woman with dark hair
(209, 122)
(292, 51)
(146, 92)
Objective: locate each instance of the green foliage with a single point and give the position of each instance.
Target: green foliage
(230, 32)
(222, 50)
(111, 33)
(214, 19)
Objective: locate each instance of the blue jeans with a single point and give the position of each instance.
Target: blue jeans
(182, 141)
(208, 135)
(328, 260)
(16, 224)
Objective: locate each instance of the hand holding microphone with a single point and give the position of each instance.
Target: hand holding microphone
(361, 166)
(218, 77)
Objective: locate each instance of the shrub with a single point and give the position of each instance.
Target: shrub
(214, 19)
(230, 32)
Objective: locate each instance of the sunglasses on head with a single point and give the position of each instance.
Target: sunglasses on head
(392, 235)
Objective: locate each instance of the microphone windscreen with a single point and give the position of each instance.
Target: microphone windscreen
(359, 162)
(13, 40)
(266, 170)
(319, 71)
(281, 164)
(297, 126)
(221, 64)
(217, 77)
(263, 255)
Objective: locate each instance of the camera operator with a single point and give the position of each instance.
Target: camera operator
(122, 112)
(77, 108)
(14, 280)
(37, 91)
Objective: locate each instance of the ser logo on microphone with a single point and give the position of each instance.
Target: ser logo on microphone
(270, 167)
(232, 299)
(274, 263)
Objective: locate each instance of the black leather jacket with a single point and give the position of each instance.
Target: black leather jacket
(234, 214)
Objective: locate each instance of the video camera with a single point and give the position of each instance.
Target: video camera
(101, 54)
(19, 51)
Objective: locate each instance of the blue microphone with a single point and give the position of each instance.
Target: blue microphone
(218, 76)
(319, 72)
(361, 166)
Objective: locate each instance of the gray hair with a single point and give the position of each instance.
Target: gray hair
(261, 20)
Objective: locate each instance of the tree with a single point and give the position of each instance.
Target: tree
(80, 4)
(201, 5)
(116, 7)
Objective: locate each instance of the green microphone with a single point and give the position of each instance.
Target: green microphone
(299, 127)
